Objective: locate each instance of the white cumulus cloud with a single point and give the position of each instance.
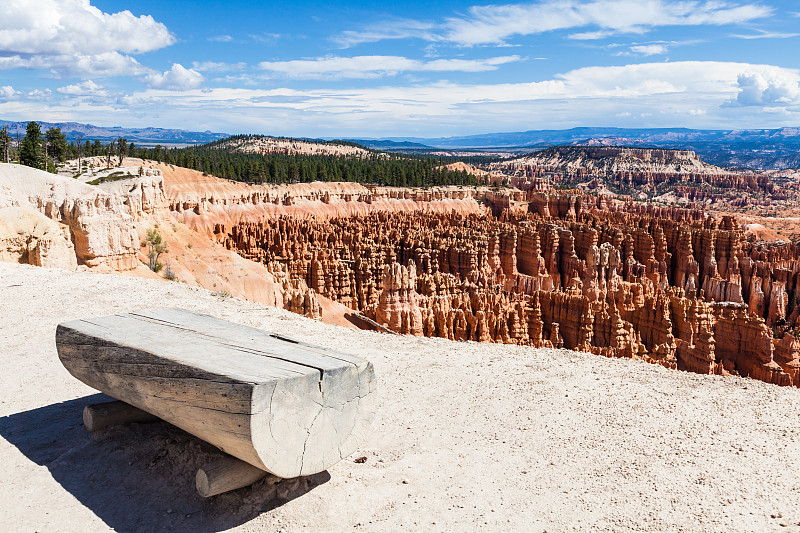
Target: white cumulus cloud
(85, 88)
(54, 27)
(701, 94)
(98, 65)
(73, 37)
(39, 94)
(768, 88)
(178, 78)
(6, 92)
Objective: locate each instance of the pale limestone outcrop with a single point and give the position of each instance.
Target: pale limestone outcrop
(27, 236)
(143, 195)
(99, 224)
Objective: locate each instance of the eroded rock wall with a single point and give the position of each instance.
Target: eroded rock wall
(97, 224)
(670, 286)
(634, 168)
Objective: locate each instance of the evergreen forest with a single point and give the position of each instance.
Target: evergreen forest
(217, 158)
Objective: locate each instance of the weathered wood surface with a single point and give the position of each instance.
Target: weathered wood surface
(225, 474)
(97, 416)
(284, 406)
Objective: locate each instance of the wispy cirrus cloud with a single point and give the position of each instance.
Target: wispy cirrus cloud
(266, 38)
(646, 48)
(363, 67)
(592, 35)
(495, 24)
(763, 34)
(214, 66)
(649, 49)
(389, 29)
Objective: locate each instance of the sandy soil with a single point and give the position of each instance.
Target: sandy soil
(468, 436)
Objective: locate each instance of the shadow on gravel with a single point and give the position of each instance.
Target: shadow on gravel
(139, 477)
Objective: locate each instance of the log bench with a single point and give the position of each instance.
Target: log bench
(278, 405)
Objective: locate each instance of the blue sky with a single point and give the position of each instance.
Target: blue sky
(408, 69)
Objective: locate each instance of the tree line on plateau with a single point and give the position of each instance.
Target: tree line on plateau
(46, 150)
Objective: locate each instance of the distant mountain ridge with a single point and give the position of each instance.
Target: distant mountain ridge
(533, 138)
(757, 148)
(136, 135)
(385, 144)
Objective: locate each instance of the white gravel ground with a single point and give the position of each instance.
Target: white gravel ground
(468, 436)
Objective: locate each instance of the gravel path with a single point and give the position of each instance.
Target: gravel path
(468, 436)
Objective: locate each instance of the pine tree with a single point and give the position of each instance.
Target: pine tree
(30, 148)
(56, 143)
(5, 144)
(122, 149)
(78, 146)
(110, 149)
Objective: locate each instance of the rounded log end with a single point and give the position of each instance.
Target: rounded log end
(326, 421)
(202, 484)
(225, 474)
(88, 418)
(100, 415)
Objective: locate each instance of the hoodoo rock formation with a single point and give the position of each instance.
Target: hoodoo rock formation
(211, 205)
(670, 286)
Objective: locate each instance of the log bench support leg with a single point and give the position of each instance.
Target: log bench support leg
(100, 415)
(226, 474)
(222, 475)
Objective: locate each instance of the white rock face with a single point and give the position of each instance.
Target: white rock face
(143, 195)
(99, 225)
(27, 236)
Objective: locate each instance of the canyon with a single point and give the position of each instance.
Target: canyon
(685, 285)
(532, 265)
(667, 285)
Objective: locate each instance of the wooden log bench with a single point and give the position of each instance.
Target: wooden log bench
(279, 405)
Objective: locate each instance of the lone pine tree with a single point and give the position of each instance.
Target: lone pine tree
(56, 144)
(5, 144)
(30, 148)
